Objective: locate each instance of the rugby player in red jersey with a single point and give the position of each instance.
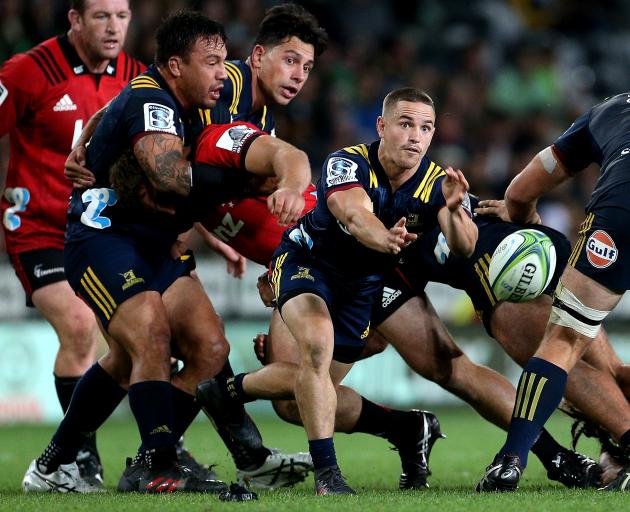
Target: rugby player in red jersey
(46, 96)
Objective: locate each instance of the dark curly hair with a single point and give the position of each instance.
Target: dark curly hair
(284, 21)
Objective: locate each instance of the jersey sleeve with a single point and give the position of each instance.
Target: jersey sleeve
(150, 111)
(20, 83)
(576, 148)
(342, 171)
(226, 145)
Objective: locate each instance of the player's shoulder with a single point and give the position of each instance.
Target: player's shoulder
(357, 155)
(129, 67)
(40, 66)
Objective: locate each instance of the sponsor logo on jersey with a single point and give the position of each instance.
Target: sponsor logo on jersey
(78, 69)
(303, 273)
(65, 104)
(366, 332)
(389, 296)
(40, 272)
(340, 170)
(601, 250)
(159, 118)
(130, 279)
(4, 92)
(234, 138)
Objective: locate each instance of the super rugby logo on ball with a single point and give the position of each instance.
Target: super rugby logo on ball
(522, 265)
(601, 251)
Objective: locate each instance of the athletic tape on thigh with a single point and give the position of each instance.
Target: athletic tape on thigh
(568, 311)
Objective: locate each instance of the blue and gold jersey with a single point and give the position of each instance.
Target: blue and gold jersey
(600, 136)
(419, 199)
(145, 106)
(237, 95)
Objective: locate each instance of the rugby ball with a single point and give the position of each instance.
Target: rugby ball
(522, 265)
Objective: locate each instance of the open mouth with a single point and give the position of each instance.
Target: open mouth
(111, 44)
(216, 93)
(288, 91)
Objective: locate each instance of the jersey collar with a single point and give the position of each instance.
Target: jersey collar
(75, 62)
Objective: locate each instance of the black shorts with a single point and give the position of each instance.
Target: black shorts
(36, 269)
(108, 269)
(420, 265)
(602, 251)
(349, 301)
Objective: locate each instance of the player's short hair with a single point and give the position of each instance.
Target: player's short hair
(281, 22)
(407, 94)
(180, 31)
(78, 5)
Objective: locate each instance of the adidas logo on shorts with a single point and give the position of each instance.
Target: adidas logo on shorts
(64, 104)
(389, 296)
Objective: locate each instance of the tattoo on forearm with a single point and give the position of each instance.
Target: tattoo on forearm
(161, 158)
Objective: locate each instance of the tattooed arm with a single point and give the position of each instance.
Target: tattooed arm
(161, 157)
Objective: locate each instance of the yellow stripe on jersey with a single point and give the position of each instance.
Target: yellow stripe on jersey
(236, 77)
(373, 180)
(205, 115)
(483, 279)
(264, 118)
(144, 82)
(579, 245)
(426, 193)
(416, 194)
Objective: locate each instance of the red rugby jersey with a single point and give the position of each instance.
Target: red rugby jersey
(244, 224)
(47, 95)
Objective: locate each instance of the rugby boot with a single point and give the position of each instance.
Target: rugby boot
(278, 470)
(330, 482)
(414, 443)
(502, 475)
(575, 471)
(621, 482)
(90, 467)
(201, 471)
(130, 478)
(66, 478)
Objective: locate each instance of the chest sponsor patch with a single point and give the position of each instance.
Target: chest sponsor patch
(159, 118)
(235, 137)
(340, 170)
(601, 250)
(4, 92)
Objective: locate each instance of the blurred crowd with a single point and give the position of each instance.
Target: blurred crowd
(507, 76)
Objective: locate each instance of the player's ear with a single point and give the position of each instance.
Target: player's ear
(380, 126)
(174, 65)
(73, 17)
(257, 53)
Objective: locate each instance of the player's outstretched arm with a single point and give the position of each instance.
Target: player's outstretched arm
(236, 262)
(353, 208)
(161, 157)
(458, 228)
(270, 156)
(540, 175)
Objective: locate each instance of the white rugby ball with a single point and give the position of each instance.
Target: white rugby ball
(522, 265)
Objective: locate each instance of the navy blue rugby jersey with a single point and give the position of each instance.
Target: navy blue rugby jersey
(144, 106)
(237, 94)
(419, 199)
(601, 136)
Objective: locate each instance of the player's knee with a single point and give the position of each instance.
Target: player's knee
(317, 357)
(287, 410)
(568, 311)
(207, 353)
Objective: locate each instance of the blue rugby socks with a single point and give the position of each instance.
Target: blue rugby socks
(322, 452)
(540, 390)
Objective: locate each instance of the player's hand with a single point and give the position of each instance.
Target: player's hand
(265, 291)
(454, 188)
(178, 249)
(493, 208)
(286, 204)
(236, 262)
(398, 237)
(75, 169)
(260, 347)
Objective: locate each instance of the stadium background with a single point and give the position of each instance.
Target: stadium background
(507, 78)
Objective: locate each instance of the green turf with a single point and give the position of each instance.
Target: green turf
(371, 468)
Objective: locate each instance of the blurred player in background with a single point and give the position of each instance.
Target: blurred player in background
(46, 95)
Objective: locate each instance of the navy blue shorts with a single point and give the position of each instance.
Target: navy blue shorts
(600, 251)
(349, 301)
(420, 265)
(110, 268)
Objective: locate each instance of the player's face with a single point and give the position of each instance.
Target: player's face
(406, 130)
(282, 70)
(102, 28)
(203, 73)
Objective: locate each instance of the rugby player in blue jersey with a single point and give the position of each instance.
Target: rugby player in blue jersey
(374, 200)
(593, 282)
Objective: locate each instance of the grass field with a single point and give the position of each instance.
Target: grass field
(370, 467)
